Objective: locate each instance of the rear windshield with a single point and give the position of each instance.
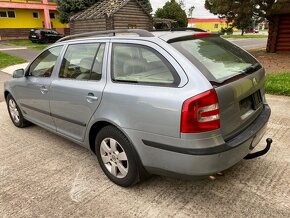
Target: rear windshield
(222, 59)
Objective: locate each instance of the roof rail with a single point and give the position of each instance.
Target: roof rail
(181, 29)
(140, 32)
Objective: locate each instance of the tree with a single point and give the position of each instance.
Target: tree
(190, 11)
(172, 10)
(146, 5)
(67, 8)
(243, 13)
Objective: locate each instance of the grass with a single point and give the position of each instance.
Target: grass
(246, 36)
(7, 60)
(278, 83)
(28, 43)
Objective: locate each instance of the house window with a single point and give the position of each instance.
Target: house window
(9, 14)
(52, 15)
(35, 15)
(3, 14)
(216, 25)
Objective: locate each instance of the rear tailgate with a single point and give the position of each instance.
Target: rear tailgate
(240, 102)
(236, 76)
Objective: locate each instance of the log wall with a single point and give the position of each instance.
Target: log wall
(279, 33)
(130, 16)
(82, 26)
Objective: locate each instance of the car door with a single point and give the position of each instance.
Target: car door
(77, 92)
(35, 94)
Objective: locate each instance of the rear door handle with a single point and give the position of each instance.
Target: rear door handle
(43, 90)
(91, 97)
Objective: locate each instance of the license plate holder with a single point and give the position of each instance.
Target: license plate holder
(256, 99)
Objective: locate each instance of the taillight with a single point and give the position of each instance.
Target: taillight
(200, 113)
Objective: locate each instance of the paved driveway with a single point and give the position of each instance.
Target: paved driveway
(19, 51)
(42, 174)
(250, 43)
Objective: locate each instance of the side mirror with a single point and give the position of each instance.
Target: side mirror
(18, 73)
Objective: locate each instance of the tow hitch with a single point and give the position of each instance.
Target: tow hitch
(260, 153)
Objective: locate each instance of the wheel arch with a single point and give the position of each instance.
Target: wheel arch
(95, 129)
(6, 93)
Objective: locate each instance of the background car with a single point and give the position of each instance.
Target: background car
(251, 30)
(44, 35)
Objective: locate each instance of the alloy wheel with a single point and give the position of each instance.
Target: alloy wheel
(14, 111)
(114, 157)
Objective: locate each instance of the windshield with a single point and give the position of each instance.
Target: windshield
(222, 59)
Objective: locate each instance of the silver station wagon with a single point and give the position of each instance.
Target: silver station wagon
(167, 102)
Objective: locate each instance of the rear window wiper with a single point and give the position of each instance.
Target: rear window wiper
(252, 68)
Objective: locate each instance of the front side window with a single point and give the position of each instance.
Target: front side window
(44, 63)
(141, 64)
(83, 62)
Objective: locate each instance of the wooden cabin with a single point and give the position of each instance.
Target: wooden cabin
(111, 14)
(279, 29)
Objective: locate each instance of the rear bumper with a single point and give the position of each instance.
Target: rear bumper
(206, 161)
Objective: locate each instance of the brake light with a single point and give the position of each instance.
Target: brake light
(201, 35)
(200, 113)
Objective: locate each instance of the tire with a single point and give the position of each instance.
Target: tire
(117, 157)
(15, 113)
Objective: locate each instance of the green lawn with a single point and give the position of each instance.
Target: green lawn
(278, 83)
(28, 43)
(246, 36)
(7, 60)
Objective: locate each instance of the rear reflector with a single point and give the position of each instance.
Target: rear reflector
(200, 113)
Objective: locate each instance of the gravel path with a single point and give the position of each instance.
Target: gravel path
(42, 174)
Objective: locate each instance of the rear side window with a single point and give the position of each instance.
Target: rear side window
(222, 59)
(83, 62)
(141, 64)
(43, 65)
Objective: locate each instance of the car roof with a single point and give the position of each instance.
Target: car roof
(167, 35)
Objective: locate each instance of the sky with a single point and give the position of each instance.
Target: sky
(199, 11)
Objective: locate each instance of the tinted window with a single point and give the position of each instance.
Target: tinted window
(222, 59)
(83, 62)
(44, 63)
(141, 64)
(3, 14)
(35, 14)
(52, 15)
(11, 14)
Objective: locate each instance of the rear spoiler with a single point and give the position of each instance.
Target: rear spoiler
(194, 35)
